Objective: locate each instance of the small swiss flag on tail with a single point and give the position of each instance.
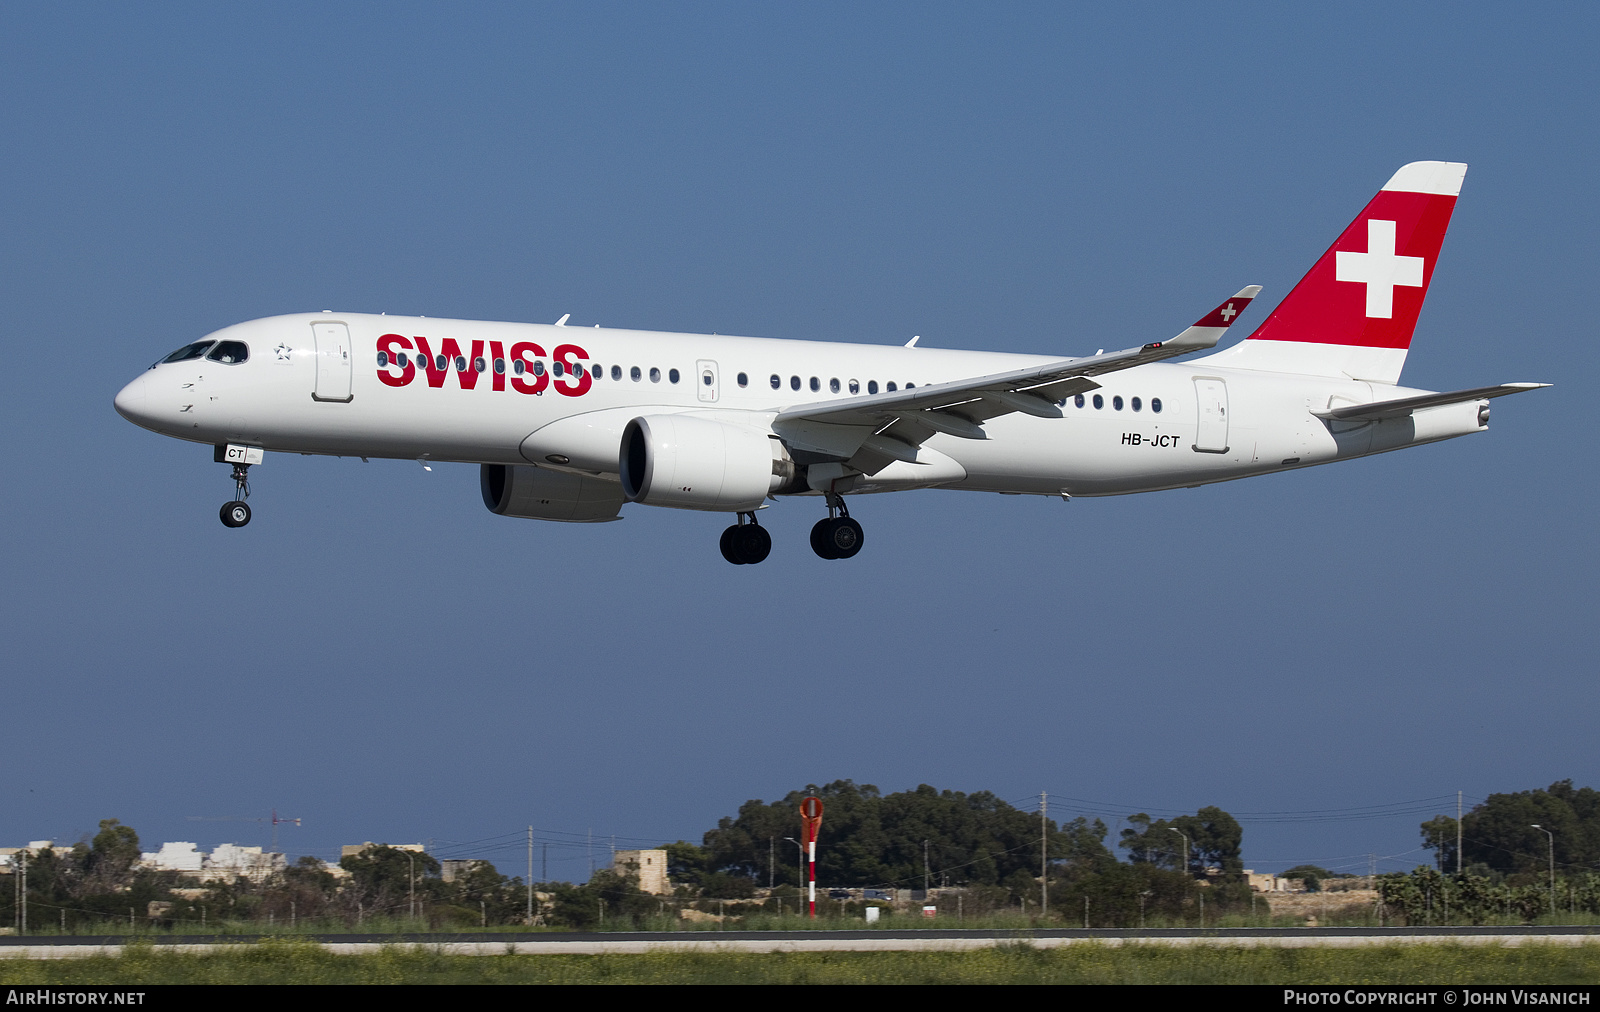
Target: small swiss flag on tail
(1367, 290)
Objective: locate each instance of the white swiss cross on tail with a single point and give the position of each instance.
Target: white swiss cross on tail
(1354, 312)
(1379, 269)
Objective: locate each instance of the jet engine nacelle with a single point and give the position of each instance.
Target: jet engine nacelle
(538, 493)
(699, 464)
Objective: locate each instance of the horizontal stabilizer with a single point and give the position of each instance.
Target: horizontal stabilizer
(1405, 405)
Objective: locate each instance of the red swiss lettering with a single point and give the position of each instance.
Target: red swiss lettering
(499, 364)
(527, 353)
(435, 375)
(577, 374)
(391, 344)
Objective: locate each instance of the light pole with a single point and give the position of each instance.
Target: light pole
(1185, 847)
(1552, 837)
(1186, 865)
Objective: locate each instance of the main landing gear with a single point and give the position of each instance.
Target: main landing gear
(237, 512)
(837, 537)
(744, 544)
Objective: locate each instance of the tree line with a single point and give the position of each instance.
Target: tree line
(1185, 870)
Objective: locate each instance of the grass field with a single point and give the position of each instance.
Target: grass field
(295, 962)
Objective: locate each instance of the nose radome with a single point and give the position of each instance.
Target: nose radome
(130, 401)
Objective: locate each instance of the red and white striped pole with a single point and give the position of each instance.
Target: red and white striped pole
(811, 817)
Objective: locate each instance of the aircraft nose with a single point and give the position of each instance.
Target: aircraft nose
(130, 401)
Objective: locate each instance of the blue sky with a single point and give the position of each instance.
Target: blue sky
(380, 656)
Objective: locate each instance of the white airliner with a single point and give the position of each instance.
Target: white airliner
(572, 423)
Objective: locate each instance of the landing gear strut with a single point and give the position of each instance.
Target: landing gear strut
(745, 544)
(237, 512)
(837, 537)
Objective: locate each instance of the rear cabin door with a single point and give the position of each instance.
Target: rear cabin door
(333, 362)
(1211, 436)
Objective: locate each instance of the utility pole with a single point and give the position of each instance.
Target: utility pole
(530, 874)
(1044, 860)
(1552, 837)
(1458, 833)
(770, 841)
(411, 884)
(924, 867)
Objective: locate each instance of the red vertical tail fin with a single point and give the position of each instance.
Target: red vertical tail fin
(1354, 312)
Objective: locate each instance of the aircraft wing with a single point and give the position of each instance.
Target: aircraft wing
(894, 424)
(1405, 405)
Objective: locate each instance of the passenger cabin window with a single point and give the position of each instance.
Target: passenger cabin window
(744, 380)
(634, 374)
(776, 382)
(872, 386)
(672, 375)
(655, 375)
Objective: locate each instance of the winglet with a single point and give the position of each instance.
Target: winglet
(1208, 330)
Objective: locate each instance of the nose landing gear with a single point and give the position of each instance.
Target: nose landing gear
(237, 512)
(745, 544)
(838, 536)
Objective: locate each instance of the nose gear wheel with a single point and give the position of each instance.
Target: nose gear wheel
(237, 513)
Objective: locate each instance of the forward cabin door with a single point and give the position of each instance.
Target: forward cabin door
(706, 380)
(333, 362)
(1211, 435)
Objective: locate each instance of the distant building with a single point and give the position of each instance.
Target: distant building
(651, 866)
(357, 849)
(1270, 883)
(180, 857)
(230, 861)
(450, 868)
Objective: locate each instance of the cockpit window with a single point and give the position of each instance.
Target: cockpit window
(229, 352)
(188, 351)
